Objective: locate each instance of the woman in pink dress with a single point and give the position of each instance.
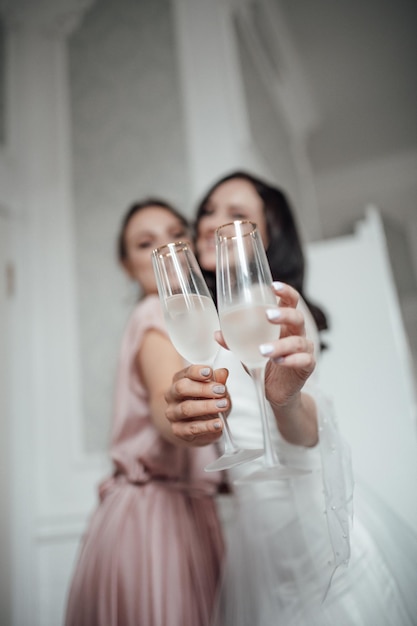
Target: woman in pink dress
(151, 555)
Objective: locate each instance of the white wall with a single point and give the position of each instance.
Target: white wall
(367, 369)
(5, 421)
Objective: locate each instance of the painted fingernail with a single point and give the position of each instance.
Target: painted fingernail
(219, 388)
(217, 425)
(221, 403)
(205, 371)
(273, 314)
(266, 348)
(277, 285)
(279, 359)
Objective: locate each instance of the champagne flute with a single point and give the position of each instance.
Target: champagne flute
(191, 319)
(244, 293)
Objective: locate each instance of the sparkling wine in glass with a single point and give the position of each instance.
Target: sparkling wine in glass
(244, 293)
(191, 319)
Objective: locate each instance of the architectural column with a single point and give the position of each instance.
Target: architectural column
(44, 385)
(216, 121)
(279, 66)
(217, 125)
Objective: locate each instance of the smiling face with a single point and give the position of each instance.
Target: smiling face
(235, 199)
(149, 228)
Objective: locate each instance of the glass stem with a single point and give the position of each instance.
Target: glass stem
(229, 445)
(270, 456)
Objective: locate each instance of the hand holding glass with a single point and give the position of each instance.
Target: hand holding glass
(192, 320)
(244, 293)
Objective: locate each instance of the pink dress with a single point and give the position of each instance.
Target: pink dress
(152, 552)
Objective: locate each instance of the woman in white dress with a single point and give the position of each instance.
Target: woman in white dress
(292, 556)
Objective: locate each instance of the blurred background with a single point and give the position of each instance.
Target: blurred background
(103, 102)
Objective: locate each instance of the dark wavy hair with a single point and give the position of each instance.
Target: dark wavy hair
(135, 208)
(285, 253)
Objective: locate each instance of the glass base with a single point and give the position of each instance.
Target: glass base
(274, 473)
(226, 461)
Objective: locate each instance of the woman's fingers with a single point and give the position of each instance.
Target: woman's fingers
(287, 346)
(288, 296)
(291, 362)
(202, 432)
(197, 382)
(291, 320)
(192, 408)
(198, 420)
(196, 397)
(293, 352)
(201, 373)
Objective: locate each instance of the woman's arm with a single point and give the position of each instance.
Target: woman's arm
(157, 362)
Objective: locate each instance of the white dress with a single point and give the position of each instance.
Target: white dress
(294, 558)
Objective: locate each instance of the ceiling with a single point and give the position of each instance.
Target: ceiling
(360, 59)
